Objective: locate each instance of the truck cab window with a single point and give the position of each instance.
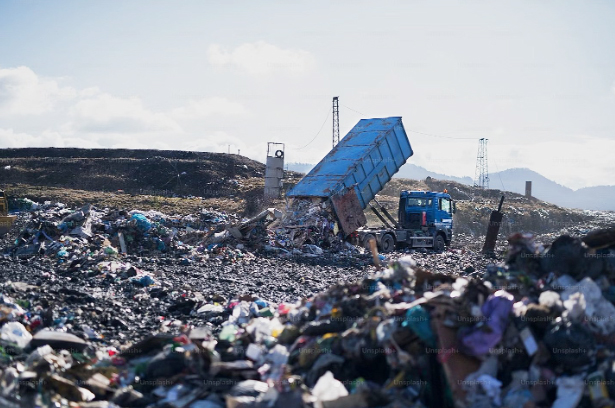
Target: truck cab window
(445, 205)
(418, 202)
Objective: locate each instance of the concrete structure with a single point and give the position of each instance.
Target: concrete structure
(274, 170)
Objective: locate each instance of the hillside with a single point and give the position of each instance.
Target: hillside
(77, 176)
(137, 171)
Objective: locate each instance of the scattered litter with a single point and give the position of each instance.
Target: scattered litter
(524, 332)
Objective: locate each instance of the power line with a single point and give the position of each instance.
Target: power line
(445, 137)
(416, 131)
(362, 114)
(321, 126)
(409, 130)
(499, 175)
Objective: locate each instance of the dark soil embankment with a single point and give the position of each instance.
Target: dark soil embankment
(150, 172)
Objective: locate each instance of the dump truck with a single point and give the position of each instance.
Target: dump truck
(424, 220)
(357, 169)
(6, 220)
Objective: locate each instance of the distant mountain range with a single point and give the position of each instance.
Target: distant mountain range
(412, 171)
(588, 198)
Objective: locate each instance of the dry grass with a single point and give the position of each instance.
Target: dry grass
(168, 205)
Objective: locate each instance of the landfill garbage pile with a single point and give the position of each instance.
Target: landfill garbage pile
(89, 238)
(537, 330)
(308, 227)
(23, 204)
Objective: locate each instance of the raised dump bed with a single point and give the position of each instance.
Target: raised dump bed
(357, 169)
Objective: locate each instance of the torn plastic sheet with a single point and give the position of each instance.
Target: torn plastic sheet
(480, 338)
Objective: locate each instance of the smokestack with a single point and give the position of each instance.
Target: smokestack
(528, 189)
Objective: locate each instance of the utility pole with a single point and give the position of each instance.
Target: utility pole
(481, 178)
(336, 121)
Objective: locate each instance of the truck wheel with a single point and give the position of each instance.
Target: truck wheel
(387, 243)
(438, 243)
(366, 240)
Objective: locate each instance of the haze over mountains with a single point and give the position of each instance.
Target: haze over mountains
(588, 198)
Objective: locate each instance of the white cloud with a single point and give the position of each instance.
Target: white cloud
(104, 113)
(91, 118)
(11, 139)
(89, 92)
(261, 58)
(22, 92)
(207, 107)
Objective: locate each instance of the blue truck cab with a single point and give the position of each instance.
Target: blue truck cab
(424, 220)
(428, 212)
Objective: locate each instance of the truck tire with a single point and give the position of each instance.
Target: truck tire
(366, 240)
(387, 243)
(438, 243)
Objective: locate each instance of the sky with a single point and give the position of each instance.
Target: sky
(536, 78)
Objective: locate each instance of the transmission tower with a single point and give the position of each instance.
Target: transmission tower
(481, 178)
(336, 121)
